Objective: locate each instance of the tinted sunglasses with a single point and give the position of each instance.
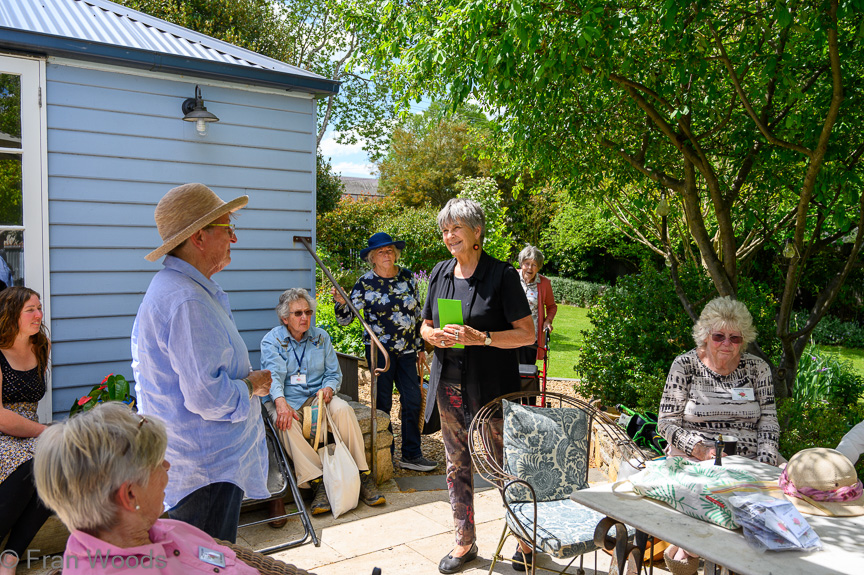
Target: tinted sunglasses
(719, 338)
(307, 313)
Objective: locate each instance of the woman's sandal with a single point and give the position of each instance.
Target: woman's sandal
(687, 566)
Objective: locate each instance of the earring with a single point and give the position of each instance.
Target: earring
(137, 508)
(476, 247)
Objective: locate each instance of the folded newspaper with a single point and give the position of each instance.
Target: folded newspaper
(772, 524)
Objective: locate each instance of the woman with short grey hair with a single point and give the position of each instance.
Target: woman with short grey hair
(718, 389)
(538, 290)
(291, 295)
(463, 211)
(475, 360)
(104, 473)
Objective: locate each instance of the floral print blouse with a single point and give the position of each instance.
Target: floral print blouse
(390, 306)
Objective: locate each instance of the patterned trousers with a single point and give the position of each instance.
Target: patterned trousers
(456, 412)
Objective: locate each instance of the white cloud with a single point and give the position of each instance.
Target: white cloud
(355, 169)
(333, 149)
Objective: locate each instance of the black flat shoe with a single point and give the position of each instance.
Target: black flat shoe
(452, 564)
(521, 560)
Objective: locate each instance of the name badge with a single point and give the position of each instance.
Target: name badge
(298, 379)
(742, 394)
(212, 557)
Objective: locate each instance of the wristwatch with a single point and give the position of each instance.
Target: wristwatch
(488, 341)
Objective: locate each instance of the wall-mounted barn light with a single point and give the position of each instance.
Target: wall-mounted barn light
(194, 111)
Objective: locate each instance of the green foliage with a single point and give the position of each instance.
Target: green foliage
(346, 339)
(112, 388)
(639, 327)
(328, 187)
(345, 230)
(575, 292)
(815, 424)
(827, 403)
(584, 241)
(418, 228)
(10, 165)
(428, 155)
(822, 377)
(833, 331)
(497, 242)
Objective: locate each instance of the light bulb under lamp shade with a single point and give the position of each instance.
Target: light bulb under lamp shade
(194, 111)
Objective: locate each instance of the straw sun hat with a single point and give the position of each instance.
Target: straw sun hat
(186, 209)
(822, 481)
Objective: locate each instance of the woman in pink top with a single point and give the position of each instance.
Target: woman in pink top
(104, 473)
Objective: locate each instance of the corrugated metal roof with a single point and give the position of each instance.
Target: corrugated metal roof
(109, 24)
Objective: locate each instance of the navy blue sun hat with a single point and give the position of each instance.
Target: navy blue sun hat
(380, 240)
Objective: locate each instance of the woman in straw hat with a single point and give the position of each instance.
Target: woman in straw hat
(192, 367)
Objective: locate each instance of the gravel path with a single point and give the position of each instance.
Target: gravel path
(432, 445)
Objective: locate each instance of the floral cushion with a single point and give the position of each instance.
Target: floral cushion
(564, 528)
(548, 448)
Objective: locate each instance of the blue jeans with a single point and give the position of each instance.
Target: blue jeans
(403, 368)
(214, 509)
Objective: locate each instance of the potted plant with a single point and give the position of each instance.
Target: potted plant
(113, 388)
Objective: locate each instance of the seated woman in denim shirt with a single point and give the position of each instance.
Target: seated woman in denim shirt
(302, 361)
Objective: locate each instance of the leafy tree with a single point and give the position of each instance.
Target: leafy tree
(328, 187)
(10, 165)
(583, 243)
(497, 240)
(428, 154)
(309, 34)
(744, 116)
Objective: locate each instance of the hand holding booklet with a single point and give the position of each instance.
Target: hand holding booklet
(450, 313)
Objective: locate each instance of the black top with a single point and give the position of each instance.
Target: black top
(495, 301)
(21, 386)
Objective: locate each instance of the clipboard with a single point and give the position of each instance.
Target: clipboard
(450, 312)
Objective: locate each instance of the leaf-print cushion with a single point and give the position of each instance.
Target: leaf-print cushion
(548, 448)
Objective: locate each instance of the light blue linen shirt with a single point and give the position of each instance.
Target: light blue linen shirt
(189, 362)
(318, 362)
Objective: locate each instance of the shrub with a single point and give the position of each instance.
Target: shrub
(345, 230)
(497, 242)
(822, 377)
(815, 424)
(346, 339)
(833, 331)
(639, 327)
(575, 292)
(418, 228)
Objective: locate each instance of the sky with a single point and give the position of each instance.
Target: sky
(347, 160)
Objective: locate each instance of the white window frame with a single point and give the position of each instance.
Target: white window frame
(34, 178)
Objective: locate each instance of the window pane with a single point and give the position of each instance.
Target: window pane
(10, 111)
(12, 257)
(11, 213)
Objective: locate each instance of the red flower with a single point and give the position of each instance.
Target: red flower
(101, 387)
(84, 400)
(106, 377)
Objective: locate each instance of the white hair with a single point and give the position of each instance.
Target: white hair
(724, 313)
(81, 463)
(464, 211)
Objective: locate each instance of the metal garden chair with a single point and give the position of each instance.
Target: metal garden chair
(545, 456)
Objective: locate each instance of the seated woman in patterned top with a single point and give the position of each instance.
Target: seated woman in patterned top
(717, 389)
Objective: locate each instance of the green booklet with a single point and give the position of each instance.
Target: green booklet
(450, 312)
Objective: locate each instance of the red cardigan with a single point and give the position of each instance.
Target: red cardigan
(546, 307)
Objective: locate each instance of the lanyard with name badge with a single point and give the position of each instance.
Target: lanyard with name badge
(298, 378)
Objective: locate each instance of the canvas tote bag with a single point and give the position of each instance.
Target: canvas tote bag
(341, 476)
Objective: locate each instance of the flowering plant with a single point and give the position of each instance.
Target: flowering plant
(112, 388)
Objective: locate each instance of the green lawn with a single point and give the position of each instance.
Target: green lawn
(566, 340)
(567, 343)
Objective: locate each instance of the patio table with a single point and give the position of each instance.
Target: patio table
(842, 537)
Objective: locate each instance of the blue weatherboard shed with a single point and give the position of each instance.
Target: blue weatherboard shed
(97, 90)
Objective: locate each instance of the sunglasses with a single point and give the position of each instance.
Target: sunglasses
(720, 338)
(307, 313)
